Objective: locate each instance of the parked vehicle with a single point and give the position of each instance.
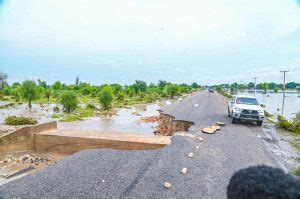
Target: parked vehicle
(211, 89)
(246, 108)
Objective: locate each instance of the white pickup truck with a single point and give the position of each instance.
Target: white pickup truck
(245, 108)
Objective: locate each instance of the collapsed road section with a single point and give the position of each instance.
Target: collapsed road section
(168, 125)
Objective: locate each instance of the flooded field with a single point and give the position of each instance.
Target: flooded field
(126, 119)
(273, 102)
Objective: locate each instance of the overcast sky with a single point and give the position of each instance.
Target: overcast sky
(215, 41)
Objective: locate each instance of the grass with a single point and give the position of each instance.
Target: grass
(225, 94)
(297, 171)
(13, 120)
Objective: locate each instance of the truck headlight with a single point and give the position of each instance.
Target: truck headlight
(261, 112)
(237, 109)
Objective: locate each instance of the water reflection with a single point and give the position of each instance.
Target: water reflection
(273, 102)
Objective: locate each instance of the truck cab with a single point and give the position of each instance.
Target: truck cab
(245, 108)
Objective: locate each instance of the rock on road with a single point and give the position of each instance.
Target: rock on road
(107, 173)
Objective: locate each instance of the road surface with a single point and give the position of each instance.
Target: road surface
(106, 173)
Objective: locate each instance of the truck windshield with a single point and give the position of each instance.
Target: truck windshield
(248, 101)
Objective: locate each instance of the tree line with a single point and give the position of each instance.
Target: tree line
(106, 94)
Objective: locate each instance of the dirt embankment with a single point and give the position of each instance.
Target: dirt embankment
(167, 124)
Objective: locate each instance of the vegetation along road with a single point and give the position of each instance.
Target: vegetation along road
(110, 173)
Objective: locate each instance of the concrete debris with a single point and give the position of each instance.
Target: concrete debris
(196, 105)
(184, 171)
(211, 129)
(208, 130)
(167, 185)
(191, 155)
(197, 147)
(27, 159)
(220, 124)
(216, 128)
(199, 138)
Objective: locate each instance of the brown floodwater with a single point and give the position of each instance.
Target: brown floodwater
(126, 120)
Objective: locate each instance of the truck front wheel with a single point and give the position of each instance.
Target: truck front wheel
(259, 123)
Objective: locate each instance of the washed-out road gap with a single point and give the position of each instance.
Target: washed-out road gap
(112, 173)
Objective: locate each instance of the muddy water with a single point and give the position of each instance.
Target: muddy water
(273, 102)
(42, 113)
(126, 120)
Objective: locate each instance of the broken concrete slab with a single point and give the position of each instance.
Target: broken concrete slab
(208, 130)
(220, 124)
(216, 128)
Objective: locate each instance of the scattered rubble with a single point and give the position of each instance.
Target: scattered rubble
(191, 155)
(167, 185)
(208, 130)
(214, 128)
(26, 159)
(220, 124)
(184, 171)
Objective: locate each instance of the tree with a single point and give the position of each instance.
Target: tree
(251, 85)
(275, 90)
(3, 79)
(69, 101)
(265, 87)
(172, 90)
(48, 93)
(57, 85)
(140, 86)
(106, 97)
(195, 85)
(77, 81)
(42, 84)
(16, 93)
(30, 91)
(162, 84)
(272, 86)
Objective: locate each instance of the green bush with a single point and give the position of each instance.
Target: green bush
(90, 106)
(69, 101)
(56, 109)
(13, 120)
(106, 97)
(293, 126)
(120, 96)
(172, 90)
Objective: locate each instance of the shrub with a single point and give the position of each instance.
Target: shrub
(13, 120)
(120, 96)
(90, 106)
(69, 101)
(172, 90)
(56, 109)
(106, 97)
(293, 126)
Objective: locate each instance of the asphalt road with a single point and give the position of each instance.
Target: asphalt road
(106, 173)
